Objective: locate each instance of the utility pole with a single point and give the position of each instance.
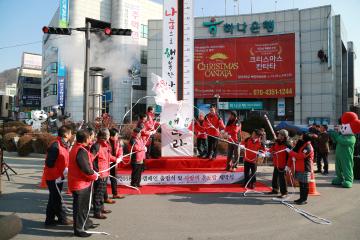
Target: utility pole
(87, 71)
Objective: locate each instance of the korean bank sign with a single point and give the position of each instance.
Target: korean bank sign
(64, 14)
(241, 105)
(244, 27)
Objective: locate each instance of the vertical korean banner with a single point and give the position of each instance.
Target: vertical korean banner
(61, 70)
(64, 14)
(177, 71)
(61, 85)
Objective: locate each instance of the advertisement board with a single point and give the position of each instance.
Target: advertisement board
(33, 61)
(246, 67)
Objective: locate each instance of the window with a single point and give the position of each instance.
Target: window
(50, 90)
(144, 31)
(51, 68)
(143, 57)
(106, 84)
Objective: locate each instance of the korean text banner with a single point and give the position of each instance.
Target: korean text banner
(247, 67)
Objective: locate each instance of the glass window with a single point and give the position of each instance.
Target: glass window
(106, 84)
(143, 57)
(144, 31)
(50, 90)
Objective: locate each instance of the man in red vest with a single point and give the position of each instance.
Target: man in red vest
(213, 125)
(55, 171)
(101, 151)
(117, 152)
(81, 176)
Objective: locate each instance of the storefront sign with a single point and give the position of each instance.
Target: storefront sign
(247, 67)
(241, 105)
(281, 107)
(107, 97)
(319, 120)
(253, 27)
(64, 14)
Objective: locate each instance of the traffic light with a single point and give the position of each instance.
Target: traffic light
(56, 30)
(117, 31)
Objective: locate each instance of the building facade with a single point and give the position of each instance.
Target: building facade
(295, 65)
(28, 96)
(63, 80)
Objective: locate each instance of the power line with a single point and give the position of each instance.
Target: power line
(31, 43)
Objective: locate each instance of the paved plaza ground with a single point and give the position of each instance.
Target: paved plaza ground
(189, 217)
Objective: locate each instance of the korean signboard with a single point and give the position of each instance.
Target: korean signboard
(247, 67)
(64, 14)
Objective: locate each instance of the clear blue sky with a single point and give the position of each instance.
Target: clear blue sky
(22, 20)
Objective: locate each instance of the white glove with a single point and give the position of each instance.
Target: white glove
(261, 155)
(222, 131)
(58, 180)
(152, 132)
(268, 154)
(119, 160)
(145, 149)
(65, 173)
(287, 169)
(97, 175)
(288, 150)
(242, 147)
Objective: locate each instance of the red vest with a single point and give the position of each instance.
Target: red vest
(138, 150)
(78, 180)
(200, 130)
(104, 158)
(279, 159)
(304, 158)
(212, 124)
(116, 148)
(233, 130)
(252, 145)
(61, 163)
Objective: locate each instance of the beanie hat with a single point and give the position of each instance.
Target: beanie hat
(284, 133)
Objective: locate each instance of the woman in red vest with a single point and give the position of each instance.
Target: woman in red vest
(81, 176)
(138, 150)
(201, 137)
(303, 153)
(280, 161)
(55, 171)
(233, 128)
(101, 151)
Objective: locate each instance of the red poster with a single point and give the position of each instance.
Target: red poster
(247, 67)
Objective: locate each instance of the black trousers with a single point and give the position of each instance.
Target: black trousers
(81, 201)
(55, 206)
(324, 157)
(113, 182)
(279, 179)
(249, 171)
(212, 146)
(201, 146)
(232, 155)
(99, 191)
(137, 169)
(304, 191)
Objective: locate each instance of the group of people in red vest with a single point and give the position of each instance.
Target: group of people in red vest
(87, 166)
(89, 163)
(209, 129)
